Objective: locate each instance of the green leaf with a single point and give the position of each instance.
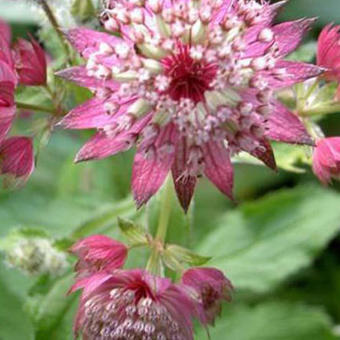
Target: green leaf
(305, 53)
(178, 254)
(133, 232)
(261, 243)
(271, 321)
(14, 323)
(83, 9)
(48, 311)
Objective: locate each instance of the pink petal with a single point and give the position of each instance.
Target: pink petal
(218, 167)
(17, 159)
(184, 185)
(102, 145)
(288, 35)
(87, 41)
(292, 73)
(78, 74)
(92, 114)
(284, 126)
(265, 153)
(6, 118)
(5, 31)
(30, 62)
(7, 84)
(150, 170)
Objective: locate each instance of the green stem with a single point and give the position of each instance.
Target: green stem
(324, 109)
(52, 19)
(155, 264)
(32, 107)
(165, 211)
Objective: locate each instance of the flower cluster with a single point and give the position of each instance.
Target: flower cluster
(35, 256)
(24, 64)
(191, 84)
(134, 304)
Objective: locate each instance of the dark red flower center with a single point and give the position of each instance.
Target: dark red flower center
(189, 78)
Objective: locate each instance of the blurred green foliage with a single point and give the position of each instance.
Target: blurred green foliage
(278, 244)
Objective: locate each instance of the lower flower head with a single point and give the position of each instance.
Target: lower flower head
(133, 304)
(326, 159)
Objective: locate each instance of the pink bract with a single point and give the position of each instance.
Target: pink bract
(326, 159)
(328, 54)
(212, 288)
(133, 304)
(16, 159)
(190, 87)
(98, 252)
(30, 62)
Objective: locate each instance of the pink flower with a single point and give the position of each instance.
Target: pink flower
(212, 287)
(328, 54)
(190, 86)
(98, 253)
(30, 62)
(16, 159)
(133, 304)
(326, 159)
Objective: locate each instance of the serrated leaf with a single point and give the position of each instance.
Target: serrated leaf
(134, 233)
(269, 321)
(260, 244)
(184, 256)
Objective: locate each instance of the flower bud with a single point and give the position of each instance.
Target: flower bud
(16, 160)
(30, 62)
(33, 255)
(211, 287)
(98, 252)
(326, 159)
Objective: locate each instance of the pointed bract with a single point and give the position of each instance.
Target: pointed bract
(16, 159)
(218, 167)
(30, 62)
(285, 126)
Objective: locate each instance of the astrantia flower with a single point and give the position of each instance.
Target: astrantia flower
(326, 159)
(135, 305)
(98, 252)
(192, 84)
(212, 288)
(16, 153)
(328, 54)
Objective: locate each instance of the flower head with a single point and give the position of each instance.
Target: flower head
(326, 159)
(212, 287)
(133, 304)
(98, 252)
(190, 85)
(30, 62)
